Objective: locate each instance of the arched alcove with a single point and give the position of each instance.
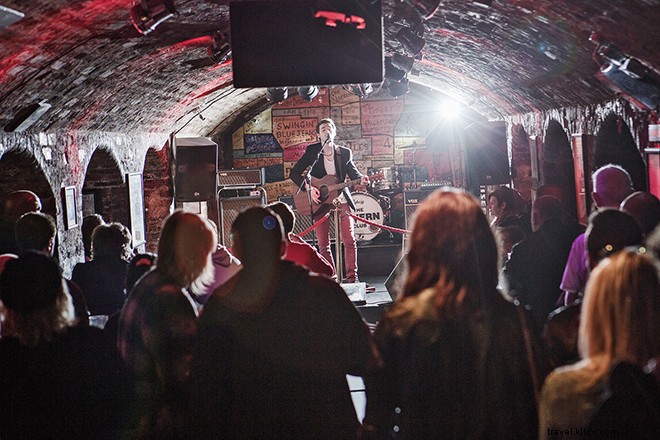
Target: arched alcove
(20, 171)
(557, 165)
(158, 193)
(615, 144)
(521, 162)
(104, 190)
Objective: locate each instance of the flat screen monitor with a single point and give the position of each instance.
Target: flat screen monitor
(279, 43)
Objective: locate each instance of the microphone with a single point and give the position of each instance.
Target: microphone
(326, 140)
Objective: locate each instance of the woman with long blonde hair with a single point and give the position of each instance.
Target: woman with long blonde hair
(454, 352)
(620, 323)
(158, 323)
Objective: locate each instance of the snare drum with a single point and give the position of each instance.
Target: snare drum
(367, 207)
(390, 181)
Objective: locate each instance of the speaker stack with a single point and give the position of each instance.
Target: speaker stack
(239, 190)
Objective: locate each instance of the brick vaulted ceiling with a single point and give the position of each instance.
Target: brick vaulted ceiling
(502, 57)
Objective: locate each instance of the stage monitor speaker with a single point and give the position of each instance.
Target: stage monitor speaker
(229, 210)
(196, 169)
(486, 154)
(310, 42)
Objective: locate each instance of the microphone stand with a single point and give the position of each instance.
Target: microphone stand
(307, 179)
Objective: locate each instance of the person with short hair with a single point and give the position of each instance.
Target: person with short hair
(102, 280)
(58, 379)
(297, 250)
(329, 159)
(644, 207)
(506, 209)
(274, 346)
(89, 223)
(611, 184)
(36, 231)
(534, 270)
(14, 206)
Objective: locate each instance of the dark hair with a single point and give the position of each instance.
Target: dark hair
(89, 223)
(505, 194)
(111, 241)
(34, 230)
(30, 282)
(260, 234)
(138, 266)
(609, 231)
(285, 213)
(643, 207)
(325, 121)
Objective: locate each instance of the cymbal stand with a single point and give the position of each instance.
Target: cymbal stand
(338, 251)
(414, 185)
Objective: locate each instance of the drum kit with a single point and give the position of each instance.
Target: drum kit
(375, 205)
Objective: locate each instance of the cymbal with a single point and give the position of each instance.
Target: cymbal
(412, 146)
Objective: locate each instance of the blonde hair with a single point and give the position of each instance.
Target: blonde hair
(621, 314)
(41, 325)
(184, 249)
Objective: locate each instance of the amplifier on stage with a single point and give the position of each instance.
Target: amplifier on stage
(250, 177)
(412, 199)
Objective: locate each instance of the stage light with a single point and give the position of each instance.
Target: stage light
(277, 94)
(147, 15)
(391, 71)
(425, 8)
(220, 49)
(308, 92)
(451, 109)
(403, 62)
(411, 41)
(361, 90)
(624, 74)
(398, 88)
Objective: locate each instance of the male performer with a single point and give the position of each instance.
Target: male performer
(326, 158)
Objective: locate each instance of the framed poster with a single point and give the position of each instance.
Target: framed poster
(70, 208)
(136, 210)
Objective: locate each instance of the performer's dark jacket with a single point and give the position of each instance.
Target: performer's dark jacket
(343, 163)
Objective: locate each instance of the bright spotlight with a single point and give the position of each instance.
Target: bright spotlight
(451, 109)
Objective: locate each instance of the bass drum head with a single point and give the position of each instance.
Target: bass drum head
(367, 207)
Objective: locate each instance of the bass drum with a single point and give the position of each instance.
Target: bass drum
(368, 207)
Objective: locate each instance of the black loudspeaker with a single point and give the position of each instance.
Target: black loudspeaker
(229, 210)
(196, 169)
(486, 154)
(310, 42)
(396, 280)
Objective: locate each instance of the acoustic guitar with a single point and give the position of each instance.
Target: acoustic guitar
(329, 189)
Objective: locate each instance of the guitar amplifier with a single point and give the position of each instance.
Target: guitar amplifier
(241, 178)
(411, 200)
(231, 205)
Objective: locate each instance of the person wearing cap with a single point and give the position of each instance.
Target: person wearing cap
(55, 376)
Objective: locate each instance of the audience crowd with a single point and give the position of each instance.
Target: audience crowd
(516, 324)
